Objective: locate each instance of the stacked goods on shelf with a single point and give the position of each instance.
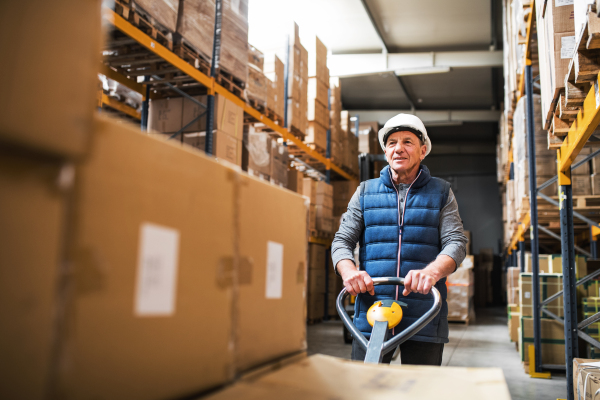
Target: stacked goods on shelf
(321, 200)
(316, 288)
(545, 159)
(460, 292)
(295, 180)
(368, 141)
(259, 147)
(233, 56)
(342, 193)
(586, 378)
(196, 25)
(556, 44)
(318, 98)
(591, 306)
(275, 72)
(337, 138)
(350, 138)
(257, 83)
(180, 114)
(36, 173)
(514, 321)
(279, 164)
(512, 285)
(553, 340)
(297, 95)
(550, 284)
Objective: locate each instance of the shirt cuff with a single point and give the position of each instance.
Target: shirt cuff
(339, 255)
(456, 252)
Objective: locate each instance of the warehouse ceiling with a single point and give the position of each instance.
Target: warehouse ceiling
(399, 54)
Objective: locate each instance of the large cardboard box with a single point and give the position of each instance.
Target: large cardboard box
(49, 111)
(162, 11)
(275, 72)
(295, 180)
(317, 135)
(325, 377)
(553, 340)
(149, 273)
(225, 146)
(234, 38)
(550, 284)
(33, 204)
(259, 148)
(515, 319)
(512, 277)
(318, 90)
(309, 187)
(197, 25)
(165, 115)
(586, 378)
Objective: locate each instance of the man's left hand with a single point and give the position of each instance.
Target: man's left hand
(418, 281)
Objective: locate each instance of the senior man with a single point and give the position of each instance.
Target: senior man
(407, 225)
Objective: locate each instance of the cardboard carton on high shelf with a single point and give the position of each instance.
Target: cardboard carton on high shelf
(146, 263)
(318, 90)
(512, 277)
(275, 71)
(550, 284)
(34, 204)
(172, 114)
(197, 25)
(256, 57)
(58, 118)
(513, 326)
(257, 86)
(317, 66)
(295, 181)
(586, 378)
(163, 12)
(309, 187)
(460, 292)
(367, 140)
(348, 379)
(318, 113)
(317, 135)
(553, 340)
(225, 146)
(234, 38)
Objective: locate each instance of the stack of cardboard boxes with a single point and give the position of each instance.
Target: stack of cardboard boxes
(142, 254)
(265, 157)
(321, 205)
(297, 95)
(316, 288)
(318, 97)
(342, 193)
(460, 292)
(337, 137)
(275, 72)
(350, 138)
(171, 115)
(257, 83)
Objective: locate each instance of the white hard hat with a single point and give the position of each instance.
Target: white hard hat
(404, 122)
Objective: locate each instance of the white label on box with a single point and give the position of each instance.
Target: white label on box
(157, 271)
(274, 270)
(559, 3)
(527, 295)
(567, 47)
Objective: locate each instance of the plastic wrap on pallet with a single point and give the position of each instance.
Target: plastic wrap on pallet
(197, 25)
(258, 145)
(234, 38)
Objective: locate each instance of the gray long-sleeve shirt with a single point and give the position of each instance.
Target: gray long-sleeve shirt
(451, 233)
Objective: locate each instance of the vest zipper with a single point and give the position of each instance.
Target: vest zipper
(400, 226)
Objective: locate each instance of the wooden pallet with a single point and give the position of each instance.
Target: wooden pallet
(273, 116)
(316, 148)
(257, 104)
(144, 23)
(297, 132)
(231, 83)
(192, 57)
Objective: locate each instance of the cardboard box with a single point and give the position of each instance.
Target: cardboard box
(586, 378)
(514, 321)
(165, 115)
(553, 340)
(136, 268)
(582, 185)
(317, 135)
(544, 262)
(52, 115)
(295, 180)
(225, 146)
(318, 90)
(162, 11)
(234, 38)
(324, 224)
(256, 57)
(347, 379)
(310, 189)
(318, 113)
(257, 86)
(596, 184)
(549, 284)
(197, 25)
(31, 254)
(275, 71)
(512, 277)
(190, 112)
(279, 173)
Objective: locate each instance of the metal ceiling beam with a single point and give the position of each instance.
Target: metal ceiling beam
(384, 46)
(432, 117)
(411, 63)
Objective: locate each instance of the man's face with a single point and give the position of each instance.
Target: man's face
(403, 151)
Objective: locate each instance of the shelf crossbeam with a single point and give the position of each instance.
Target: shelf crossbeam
(213, 87)
(122, 107)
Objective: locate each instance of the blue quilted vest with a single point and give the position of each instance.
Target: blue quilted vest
(395, 242)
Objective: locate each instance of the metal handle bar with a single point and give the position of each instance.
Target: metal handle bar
(402, 336)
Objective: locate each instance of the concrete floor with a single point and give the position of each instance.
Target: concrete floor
(484, 343)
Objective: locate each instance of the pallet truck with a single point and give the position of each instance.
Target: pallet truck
(384, 315)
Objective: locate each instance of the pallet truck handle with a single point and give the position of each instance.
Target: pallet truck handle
(402, 336)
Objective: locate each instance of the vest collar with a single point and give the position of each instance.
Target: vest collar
(423, 178)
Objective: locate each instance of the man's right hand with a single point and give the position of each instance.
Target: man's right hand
(355, 281)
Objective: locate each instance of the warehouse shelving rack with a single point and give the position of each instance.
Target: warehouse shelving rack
(587, 121)
(208, 82)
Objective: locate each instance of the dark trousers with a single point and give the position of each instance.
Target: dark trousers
(411, 352)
